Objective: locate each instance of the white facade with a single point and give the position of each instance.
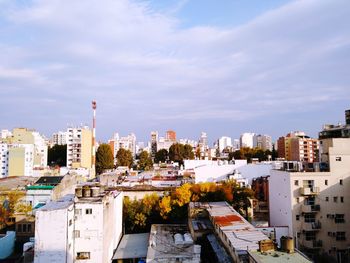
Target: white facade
(127, 143)
(59, 138)
(224, 142)
(5, 134)
(40, 150)
(264, 142)
(86, 229)
(247, 140)
(3, 160)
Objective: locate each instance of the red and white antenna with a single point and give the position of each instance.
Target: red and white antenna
(93, 160)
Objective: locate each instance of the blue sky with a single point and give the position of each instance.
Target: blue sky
(239, 66)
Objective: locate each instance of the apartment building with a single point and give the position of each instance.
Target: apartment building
(263, 142)
(21, 159)
(4, 158)
(87, 227)
(127, 142)
(315, 205)
(297, 146)
(79, 148)
(248, 139)
(59, 138)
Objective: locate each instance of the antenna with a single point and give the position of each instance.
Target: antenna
(93, 157)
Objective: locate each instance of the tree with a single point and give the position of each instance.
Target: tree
(161, 156)
(188, 152)
(165, 206)
(176, 152)
(145, 161)
(104, 158)
(124, 158)
(57, 155)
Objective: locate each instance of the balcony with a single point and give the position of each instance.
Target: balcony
(312, 244)
(310, 208)
(312, 226)
(309, 190)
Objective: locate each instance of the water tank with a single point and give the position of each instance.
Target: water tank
(79, 192)
(287, 244)
(188, 239)
(178, 239)
(95, 191)
(86, 191)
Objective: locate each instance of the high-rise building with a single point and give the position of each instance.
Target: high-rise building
(203, 145)
(263, 142)
(170, 136)
(154, 142)
(296, 146)
(247, 139)
(21, 159)
(79, 148)
(223, 143)
(314, 205)
(4, 158)
(127, 143)
(59, 138)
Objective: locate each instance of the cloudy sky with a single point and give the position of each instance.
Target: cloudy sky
(191, 66)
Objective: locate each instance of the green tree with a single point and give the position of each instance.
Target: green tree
(57, 155)
(161, 156)
(104, 158)
(124, 158)
(176, 152)
(188, 152)
(145, 161)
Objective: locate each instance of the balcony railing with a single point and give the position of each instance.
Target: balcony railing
(310, 208)
(309, 190)
(312, 244)
(312, 226)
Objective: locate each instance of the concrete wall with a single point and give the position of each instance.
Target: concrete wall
(53, 235)
(280, 205)
(86, 148)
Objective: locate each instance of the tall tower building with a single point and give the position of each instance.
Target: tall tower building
(154, 142)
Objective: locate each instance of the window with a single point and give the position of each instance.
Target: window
(296, 182)
(29, 228)
(325, 182)
(88, 211)
(83, 255)
(70, 222)
(298, 199)
(77, 212)
(341, 181)
(19, 227)
(310, 235)
(342, 199)
(76, 233)
(309, 218)
(297, 217)
(339, 218)
(309, 201)
(335, 199)
(340, 236)
(327, 198)
(338, 159)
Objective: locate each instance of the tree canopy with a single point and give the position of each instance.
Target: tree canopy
(104, 158)
(124, 158)
(179, 152)
(249, 153)
(161, 156)
(145, 161)
(57, 155)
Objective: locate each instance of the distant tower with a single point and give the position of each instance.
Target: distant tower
(93, 161)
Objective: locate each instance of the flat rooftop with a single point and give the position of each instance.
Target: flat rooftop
(62, 203)
(242, 235)
(16, 182)
(162, 246)
(278, 257)
(132, 246)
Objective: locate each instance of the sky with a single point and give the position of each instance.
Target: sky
(223, 67)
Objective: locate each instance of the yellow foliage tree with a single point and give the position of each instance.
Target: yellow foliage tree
(165, 206)
(183, 194)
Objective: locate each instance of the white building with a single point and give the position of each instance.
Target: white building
(79, 229)
(224, 142)
(315, 205)
(41, 150)
(247, 139)
(5, 134)
(263, 142)
(127, 143)
(4, 158)
(59, 138)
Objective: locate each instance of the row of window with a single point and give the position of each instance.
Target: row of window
(309, 183)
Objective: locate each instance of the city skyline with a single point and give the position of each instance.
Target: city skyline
(265, 68)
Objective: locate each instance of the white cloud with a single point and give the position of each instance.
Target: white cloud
(125, 53)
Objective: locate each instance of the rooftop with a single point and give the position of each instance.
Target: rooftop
(49, 180)
(241, 234)
(169, 242)
(62, 203)
(16, 182)
(278, 256)
(132, 246)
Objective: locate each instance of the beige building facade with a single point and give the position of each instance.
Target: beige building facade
(315, 205)
(79, 148)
